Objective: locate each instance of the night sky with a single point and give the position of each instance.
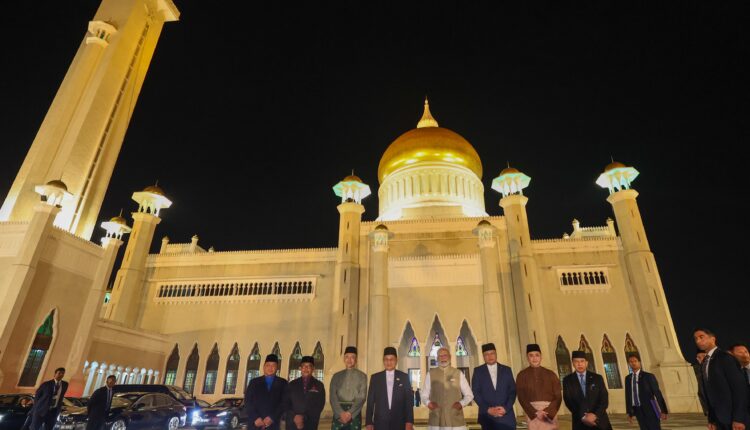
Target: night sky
(248, 117)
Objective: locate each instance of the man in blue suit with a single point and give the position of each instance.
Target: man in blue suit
(643, 399)
(494, 391)
(264, 397)
(48, 400)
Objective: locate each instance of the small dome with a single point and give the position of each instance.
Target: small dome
(509, 170)
(483, 223)
(57, 183)
(352, 178)
(381, 227)
(614, 165)
(154, 189)
(119, 220)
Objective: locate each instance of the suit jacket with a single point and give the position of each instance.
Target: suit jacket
(486, 396)
(595, 401)
(260, 402)
(44, 395)
(97, 406)
(308, 403)
(402, 402)
(725, 389)
(648, 388)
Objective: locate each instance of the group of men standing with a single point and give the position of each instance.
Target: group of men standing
(388, 399)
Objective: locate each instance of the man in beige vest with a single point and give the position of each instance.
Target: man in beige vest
(445, 393)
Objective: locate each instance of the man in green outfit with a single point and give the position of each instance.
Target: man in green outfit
(348, 393)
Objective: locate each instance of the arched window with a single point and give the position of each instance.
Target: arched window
(466, 351)
(409, 353)
(253, 364)
(437, 340)
(170, 374)
(39, 348)
(233, 366)
(294, 361)
(212, 368)
(319, 362)
(191, 369)
(585, 347)
(277, 352)
(562, 355)
(631, 348)
(611, 369)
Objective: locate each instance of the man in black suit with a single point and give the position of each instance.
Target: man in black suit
(723, 384)
(390, 400)
(264, 397)
(99, 405)
(48, 400)
(643, 399)
(304, 398)
(586, 396)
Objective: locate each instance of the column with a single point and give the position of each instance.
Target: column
(378, 321)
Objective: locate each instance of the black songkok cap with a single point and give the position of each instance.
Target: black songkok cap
(488, 347)
(533, 347)
(579, 354)
(389, 350)
(272, 358)
(350, 350)
(307, 359)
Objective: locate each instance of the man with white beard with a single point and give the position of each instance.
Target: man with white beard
(445, 393)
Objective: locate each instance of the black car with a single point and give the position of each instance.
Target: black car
(229, 413)
(77, 401)
(13, 410)
(192, 405)
(131, 411)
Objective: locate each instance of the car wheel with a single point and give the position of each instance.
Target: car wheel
(118, 425)
(173, 424)
(234, 422)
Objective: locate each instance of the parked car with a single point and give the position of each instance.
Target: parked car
(13, 410)
(228, 413)
(131, 411)
(192, 405)
(77, 401)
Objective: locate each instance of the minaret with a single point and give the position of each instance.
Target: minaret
(641, 265)
(378, 319)
(344, 320)
(81, 135)
(127, 293)
(524, 275)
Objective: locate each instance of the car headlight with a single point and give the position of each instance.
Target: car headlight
(195, 417)
(222, 414)
(1, 417)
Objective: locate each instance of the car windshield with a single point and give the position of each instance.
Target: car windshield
(121, 402)
(202, 403)
(180, 394)
(6, 401)
(228, 403)
(128, 397)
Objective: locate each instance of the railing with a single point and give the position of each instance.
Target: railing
(286, 289)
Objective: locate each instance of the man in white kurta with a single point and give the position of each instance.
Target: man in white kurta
(445, 393)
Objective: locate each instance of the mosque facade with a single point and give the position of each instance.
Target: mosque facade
(431, 269)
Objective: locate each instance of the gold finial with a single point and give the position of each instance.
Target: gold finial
(427, 119)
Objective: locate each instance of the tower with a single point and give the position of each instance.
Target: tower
(126, 299)
(346, 282)
(647, 290)
(523, 267)
(81, 135)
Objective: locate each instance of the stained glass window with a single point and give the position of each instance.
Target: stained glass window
(233, 365)
(170, 374)
(191, 369)
(461, 348)
(253, 364)
(212, 369)
(562, 355)
(39, 348)
(414, 348)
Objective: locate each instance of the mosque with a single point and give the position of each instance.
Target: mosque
(431, 270)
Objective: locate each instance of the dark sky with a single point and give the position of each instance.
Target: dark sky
(248, 117)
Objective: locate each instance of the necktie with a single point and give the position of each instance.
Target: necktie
(704, 367)
(583, 383)
(57, 395)
(636, 396)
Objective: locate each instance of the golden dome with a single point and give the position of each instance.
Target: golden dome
(119, 220)
(58, 183)
(154, 189)
(509, 170)
(429, 143)
(614, 165)
(352, 178)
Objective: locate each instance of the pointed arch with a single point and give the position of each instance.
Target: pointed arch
(320, 364)
(277, 352)
(294, 362)
(611, 369)
(41, 344)
(191, 370)
(466, 350)
(252, 368)
(233, 367)
(562, 355)
(409, 353)
(173, 362)
(436, 340)
(212, 369)
(631, 348)
(584, 346)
